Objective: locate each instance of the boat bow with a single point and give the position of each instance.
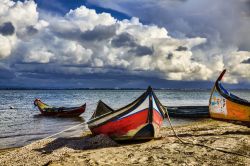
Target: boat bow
(225, 105)
(140, 119)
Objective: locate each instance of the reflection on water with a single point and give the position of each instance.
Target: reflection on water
(23, 124)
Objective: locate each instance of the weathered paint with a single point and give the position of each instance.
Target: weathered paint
(223, 108)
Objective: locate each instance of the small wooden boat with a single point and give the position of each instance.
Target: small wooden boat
(140, 119)
(58, 111)
(225, 105)
(188, 111)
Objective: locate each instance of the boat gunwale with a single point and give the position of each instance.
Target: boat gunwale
(122, 113)
(228, 97)
(159, 104)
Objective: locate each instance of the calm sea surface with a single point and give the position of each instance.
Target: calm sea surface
(23, 124)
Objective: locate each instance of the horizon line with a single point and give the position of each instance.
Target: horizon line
(24, 88)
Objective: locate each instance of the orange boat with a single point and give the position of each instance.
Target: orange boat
(225, 105)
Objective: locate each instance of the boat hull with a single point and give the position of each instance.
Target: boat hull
(139, 120)
(59, 112)
(225, 105)
(75, 112)
(222, 108)
(133, 127)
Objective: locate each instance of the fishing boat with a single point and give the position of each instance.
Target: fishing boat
(225, 105)
(58, 111)
(139, 120)
(188, 111)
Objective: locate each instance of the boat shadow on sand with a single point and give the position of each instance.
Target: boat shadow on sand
(86, 142)
(89, 141)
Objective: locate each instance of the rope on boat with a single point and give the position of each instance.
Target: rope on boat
(62, 131)
(198, 144)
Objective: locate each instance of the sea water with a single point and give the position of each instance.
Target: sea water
(24, 124)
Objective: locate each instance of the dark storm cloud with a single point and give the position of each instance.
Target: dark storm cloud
(141, 50)
(43, 75)
(100, 32)
(55, 71)
(87, 76)
(130, 82)
(6, 73)
(127, 40)
(31, 30)
(182, 48)
(7, 28)
(170, 56)
(28, 32)
(73, 34)
(124, 40)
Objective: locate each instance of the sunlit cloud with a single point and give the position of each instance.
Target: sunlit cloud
(83, 42)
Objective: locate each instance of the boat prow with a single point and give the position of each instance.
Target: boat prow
(47, 110)
(139, 120)
(225, 105)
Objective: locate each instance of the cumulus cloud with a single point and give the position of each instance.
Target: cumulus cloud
(215, 20)
(224, 25)
(14, 19)
(83, 42)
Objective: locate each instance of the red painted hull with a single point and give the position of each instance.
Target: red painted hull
(138, 120)
(129, 127)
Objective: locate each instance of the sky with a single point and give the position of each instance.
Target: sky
(124, 44)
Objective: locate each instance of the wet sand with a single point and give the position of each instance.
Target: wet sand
(233, 139)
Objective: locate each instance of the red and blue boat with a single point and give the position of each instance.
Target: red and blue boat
(140, 119)
(47, 110)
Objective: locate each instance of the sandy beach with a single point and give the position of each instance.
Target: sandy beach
(232, 139)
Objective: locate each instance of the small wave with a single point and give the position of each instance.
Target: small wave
(21, 135)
